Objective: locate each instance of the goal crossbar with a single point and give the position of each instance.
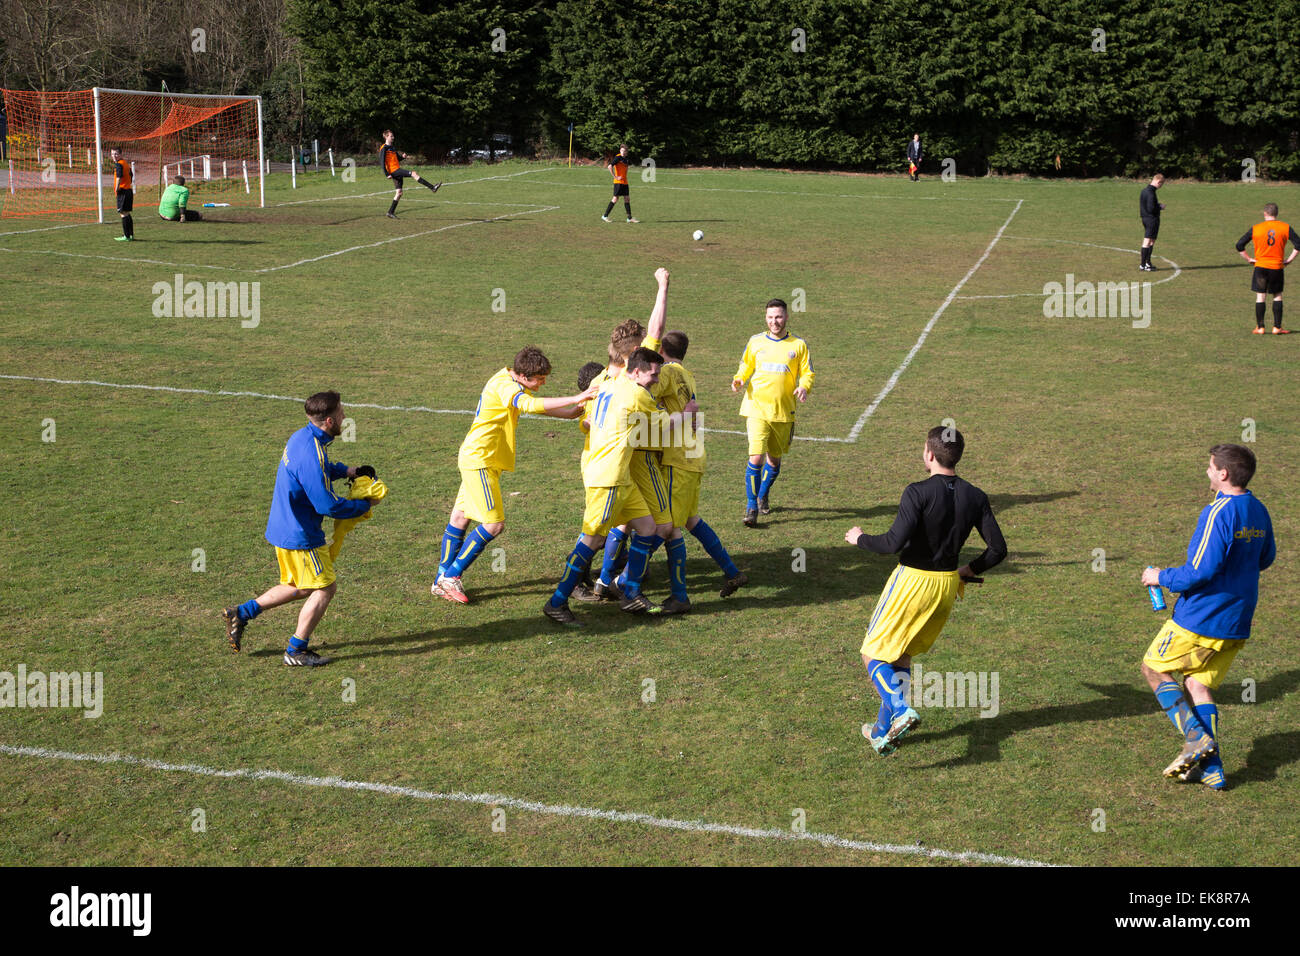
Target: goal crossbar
(214, 140)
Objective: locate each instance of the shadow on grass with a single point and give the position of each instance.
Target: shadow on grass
(985, 735)
(831, 574)
(1001, 503)
(1267, 755)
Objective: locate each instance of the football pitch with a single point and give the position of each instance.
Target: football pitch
(140, 445)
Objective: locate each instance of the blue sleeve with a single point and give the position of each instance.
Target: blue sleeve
(337, 470)
(1210, 550)
(311, 475)
(1270, 550)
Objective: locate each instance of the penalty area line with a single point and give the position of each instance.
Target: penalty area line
(414, 235)
(925, 333)
(222, 393)
(385, 192)
(527, 806)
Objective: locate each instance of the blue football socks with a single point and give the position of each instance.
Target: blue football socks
(770, 471)
(574, 565)
(248, 610)
(676, 550)
(452, 537)
(1208, 714)
(613, 544)
(1170, 696)
(708, 539)
(638, 556)
(752, 472)
(478, 540)
(891, 688)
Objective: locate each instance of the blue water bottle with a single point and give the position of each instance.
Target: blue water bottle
(1157, 596)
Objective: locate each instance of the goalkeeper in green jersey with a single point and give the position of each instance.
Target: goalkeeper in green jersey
(174, 199)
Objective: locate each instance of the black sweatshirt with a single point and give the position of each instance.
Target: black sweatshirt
(934, 520)
(1148, 204)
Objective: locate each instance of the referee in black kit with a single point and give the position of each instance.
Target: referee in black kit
(1149, 207)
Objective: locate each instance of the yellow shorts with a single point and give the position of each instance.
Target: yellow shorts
(306, 570)
(609, 507)
(480, 496)
(683, 494)
(648, 476)
(769, 438)
(912, 610)
(1178, 650)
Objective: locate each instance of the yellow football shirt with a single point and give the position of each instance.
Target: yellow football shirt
(600, 378)
(686, 448)
(490, 442)
(771, 370)
(620, 408)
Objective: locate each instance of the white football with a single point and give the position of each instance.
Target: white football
(698, 235)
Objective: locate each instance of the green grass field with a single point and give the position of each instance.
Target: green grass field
(1087, 433)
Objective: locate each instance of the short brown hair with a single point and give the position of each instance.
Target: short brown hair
(587, 373)
(777, 304)
(322, 404)
(625, 338)
(530, 362)
(674, 345)
(946, 445)
(178, 180)
(643, 358)
(1270, 209)
(1237, 461)
(1159, 176)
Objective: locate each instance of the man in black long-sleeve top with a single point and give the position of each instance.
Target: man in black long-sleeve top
(934, 519)
(914, 157)
(1149, 209)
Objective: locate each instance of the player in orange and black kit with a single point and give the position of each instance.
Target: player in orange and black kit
(125, 195)
(1269, 237)
(618, 166)
(391, 162)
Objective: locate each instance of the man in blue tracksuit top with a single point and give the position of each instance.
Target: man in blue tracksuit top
(303, 497)
(1219, 584)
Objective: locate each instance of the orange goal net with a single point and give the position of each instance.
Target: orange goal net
(57, 151)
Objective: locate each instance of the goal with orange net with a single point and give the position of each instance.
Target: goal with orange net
(58, 146)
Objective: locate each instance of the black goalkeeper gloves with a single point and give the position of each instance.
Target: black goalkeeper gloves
(367, 471)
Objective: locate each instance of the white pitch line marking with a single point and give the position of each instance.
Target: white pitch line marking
(73, 225)
(385, 192)
(530, 806)
(226, 394)
(784, 192)
(1075, 242)
(291, 398)
(414, 235)
(893, 379)
(150, 262)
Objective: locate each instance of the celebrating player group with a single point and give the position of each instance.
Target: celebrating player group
(643, 464)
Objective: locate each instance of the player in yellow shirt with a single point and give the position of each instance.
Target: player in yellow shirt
(683, 469)
(620, 415)
(680, 464)
(645, 468)
(592, 372)
(488, 450)
(775, 370)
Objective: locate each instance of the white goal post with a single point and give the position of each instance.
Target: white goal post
(213, 140)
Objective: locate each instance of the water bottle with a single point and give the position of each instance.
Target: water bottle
(1157, 596)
